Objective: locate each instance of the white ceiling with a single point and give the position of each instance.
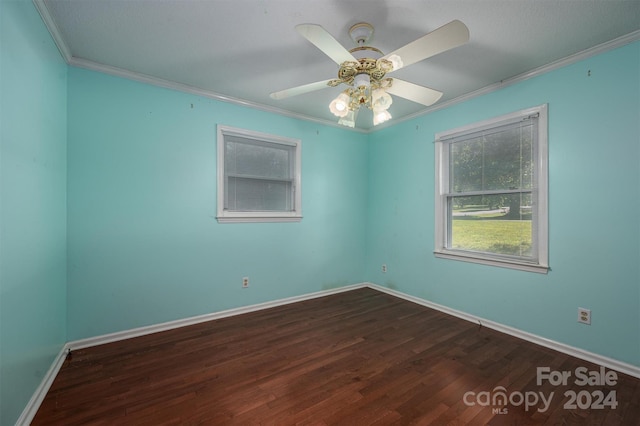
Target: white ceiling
(245, 49)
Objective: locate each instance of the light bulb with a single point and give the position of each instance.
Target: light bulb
(380, 116)
(340, 105)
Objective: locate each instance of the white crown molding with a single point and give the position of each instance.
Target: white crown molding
(587, 53)
(53, 29)
(168, 84)
(185, 88)
(71, 60)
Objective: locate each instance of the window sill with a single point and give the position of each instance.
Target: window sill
(257, 219)
(502, 263)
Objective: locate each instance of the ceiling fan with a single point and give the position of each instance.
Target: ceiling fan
(364, 69)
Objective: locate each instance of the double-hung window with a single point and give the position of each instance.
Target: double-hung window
(491, 192)
(258, 177)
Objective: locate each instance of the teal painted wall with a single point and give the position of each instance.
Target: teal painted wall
(594, 199)
(144, 245)
(107, 208)
(32, 205)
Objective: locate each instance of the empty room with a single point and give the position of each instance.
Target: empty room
(319, 212)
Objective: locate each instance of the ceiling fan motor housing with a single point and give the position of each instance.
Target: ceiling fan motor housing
(376, 69)
(369, 60)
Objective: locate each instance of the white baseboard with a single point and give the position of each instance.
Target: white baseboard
(31, 409)
(156, 328)
(613, 364)
(34, 403)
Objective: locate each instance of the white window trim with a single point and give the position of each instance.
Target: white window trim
(441, 187)
(226, 216)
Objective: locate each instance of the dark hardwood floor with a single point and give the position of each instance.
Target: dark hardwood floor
(356, 358)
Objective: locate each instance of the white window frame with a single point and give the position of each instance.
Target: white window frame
(539, 195)
(235, 216)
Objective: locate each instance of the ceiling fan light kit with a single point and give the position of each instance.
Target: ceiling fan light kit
(364, 69)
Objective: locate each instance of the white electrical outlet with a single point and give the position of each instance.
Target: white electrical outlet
(245, 282)
(584, 316)
(384, 268)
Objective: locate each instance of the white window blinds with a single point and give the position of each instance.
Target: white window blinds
(258, 177)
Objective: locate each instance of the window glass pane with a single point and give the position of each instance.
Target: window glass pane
(494, 160)
(491, 192)
(498, 224)
(258, 195)
(264, 160)
(258, 177)
(466, 166)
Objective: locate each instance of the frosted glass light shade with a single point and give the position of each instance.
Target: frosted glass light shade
(380, 116)
(340, 105)
(380, 100)
(349, 119)
(396, 61)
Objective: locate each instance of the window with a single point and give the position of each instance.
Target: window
(491, 192)
(258, 177)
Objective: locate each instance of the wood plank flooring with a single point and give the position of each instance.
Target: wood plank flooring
(355, 358)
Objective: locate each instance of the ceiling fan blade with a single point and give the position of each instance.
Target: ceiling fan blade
(294, 91)
(325, 42)
(413, 92)
(448, 36)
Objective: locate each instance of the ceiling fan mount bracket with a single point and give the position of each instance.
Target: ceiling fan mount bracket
(361, 33)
